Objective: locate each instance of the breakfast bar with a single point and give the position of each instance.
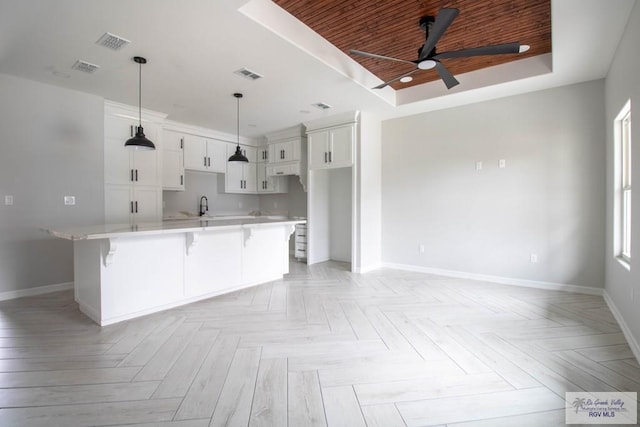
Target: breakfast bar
(125, 271)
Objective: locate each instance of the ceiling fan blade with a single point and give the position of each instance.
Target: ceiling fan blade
(496, 49)
(443, 20)
(373, 55)
(385, 84)
(446, 75)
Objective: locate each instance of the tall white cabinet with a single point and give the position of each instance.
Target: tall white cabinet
(331, 213)
(133, 180)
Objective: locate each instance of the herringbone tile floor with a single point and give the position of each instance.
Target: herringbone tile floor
(321, 347)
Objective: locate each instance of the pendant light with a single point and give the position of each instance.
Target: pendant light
(238, 156)
(139, 141)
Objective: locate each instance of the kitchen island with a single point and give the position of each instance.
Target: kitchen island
(126, 271)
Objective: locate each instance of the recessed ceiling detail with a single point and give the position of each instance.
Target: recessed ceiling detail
(391, 28)
(85, 66)
(111, 41)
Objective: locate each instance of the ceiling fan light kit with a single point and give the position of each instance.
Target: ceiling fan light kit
(429, 58)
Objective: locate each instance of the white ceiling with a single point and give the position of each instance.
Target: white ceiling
(193, 47)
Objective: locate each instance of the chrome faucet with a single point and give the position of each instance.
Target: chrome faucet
(204, 207)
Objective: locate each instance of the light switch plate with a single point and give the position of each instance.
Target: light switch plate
(8, 200)
(69, 200)
(502, 163)
(478, 166)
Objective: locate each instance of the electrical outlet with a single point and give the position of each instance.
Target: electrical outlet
(8, 200)
(69, 200)
(421, 248)
(478, 166)
(534, 258)
(502, 163)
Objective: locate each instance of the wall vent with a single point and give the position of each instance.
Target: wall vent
(112, 41)
(85, 66)
(321, 105)
(245, 72)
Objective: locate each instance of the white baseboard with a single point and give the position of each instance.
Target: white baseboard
(368, 268)
(498, 279)
(635, 348)
(39, 290)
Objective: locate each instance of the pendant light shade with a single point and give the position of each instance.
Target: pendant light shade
(238, 156)
(139, 141)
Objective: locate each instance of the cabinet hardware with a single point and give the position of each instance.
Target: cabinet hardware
(131, 175)
(136, 175)
(329, 156)
(205, 161)
(181, 179)
(131, 207)
(209, 161)
(136, 206)
(325, 157)
(181, 143)
(279, 173)
(131, 130)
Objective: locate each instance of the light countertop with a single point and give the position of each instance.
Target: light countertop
(107, 231)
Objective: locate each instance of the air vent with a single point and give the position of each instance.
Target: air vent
(321, 106)
(112, 41)
(245, 72)
(85, 66)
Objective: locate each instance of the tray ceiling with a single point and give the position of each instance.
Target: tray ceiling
(390, 28)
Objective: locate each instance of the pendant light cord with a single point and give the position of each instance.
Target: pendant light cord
(140, 94)
(238, 120)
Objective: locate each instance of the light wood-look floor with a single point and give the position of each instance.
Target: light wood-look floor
(321, 347)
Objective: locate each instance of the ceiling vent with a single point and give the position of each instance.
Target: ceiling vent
(85, 66)
(245, 72)
(321, 106)
(112, 41)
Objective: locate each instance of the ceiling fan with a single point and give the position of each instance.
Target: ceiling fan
(428, 58)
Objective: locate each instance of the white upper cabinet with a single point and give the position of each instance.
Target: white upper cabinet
(172, 160)
(241, 177)
(203, 154)
(270, 183)
(123, 165)
(285, 151)
(331, 148)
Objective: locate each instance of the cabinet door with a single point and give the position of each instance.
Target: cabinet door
(146, 204)
(341, 146)
(195, 153)
(250, 177)
(261, 178)
(251, 153)
(318, 150)
(217, 156)
(234, 179)
(117, 204)
(172, 140)
(263, 154)
(172, 170)
(145, 166)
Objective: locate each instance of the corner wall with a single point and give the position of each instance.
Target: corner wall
(623, 83)
(51, 146)
(548, 200)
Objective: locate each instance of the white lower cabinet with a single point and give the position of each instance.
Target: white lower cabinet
(125, 204)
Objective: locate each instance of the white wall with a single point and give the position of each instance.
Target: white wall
(369, 195)
(622, 84)
(549, 200)
(51, 145)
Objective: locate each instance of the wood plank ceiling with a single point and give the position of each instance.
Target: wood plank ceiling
(390, 28)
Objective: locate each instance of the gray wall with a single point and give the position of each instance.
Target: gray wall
(549, 200)
(51, 145)
(622, 84)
